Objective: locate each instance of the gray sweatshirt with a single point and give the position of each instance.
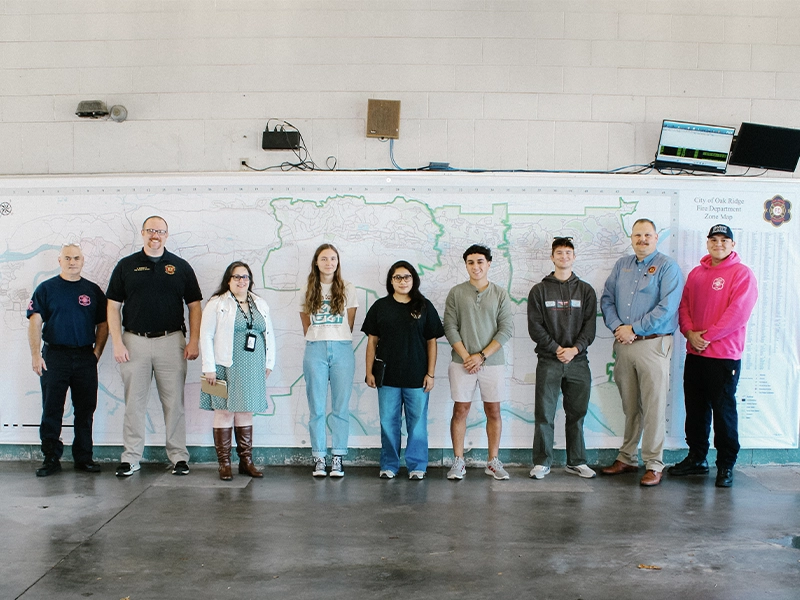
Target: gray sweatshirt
(562, 313)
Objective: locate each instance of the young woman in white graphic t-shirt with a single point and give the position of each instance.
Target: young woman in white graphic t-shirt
(328, 312)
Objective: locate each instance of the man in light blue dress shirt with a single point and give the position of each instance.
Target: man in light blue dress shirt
(640, 305)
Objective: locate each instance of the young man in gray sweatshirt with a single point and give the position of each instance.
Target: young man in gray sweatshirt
(478, 320)
(562, 318)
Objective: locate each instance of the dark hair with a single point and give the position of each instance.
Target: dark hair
(417, 304)
(224, 286)
(638, 221)
(313, 300)
(478, 249)
(561, 242)
(155, 217)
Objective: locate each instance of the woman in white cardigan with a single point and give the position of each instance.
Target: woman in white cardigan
(237, 345)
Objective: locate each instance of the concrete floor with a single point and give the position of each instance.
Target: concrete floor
(157, 536)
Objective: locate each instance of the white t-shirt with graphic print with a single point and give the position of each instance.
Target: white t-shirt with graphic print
(327, 327)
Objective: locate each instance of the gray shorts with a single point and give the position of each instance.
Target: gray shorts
(490, 379)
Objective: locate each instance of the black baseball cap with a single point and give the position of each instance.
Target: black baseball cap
(721, 230)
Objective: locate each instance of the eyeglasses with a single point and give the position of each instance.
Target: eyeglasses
(241, 277)
(71, 245)
(156, 231)
(399, 278)
(562, 238)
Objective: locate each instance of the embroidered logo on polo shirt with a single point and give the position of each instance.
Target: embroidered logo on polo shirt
(84, 300)
(651, 270)
(30, 304)
(718, 283)
(169, 269)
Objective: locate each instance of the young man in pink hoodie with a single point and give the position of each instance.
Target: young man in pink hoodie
(718, 298)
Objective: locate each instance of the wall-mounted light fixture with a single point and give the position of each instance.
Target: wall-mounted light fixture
(97, 109)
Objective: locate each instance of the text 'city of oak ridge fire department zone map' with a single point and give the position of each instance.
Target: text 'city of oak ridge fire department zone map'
(277, 236)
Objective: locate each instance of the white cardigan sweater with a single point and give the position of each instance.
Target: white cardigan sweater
(216, 332)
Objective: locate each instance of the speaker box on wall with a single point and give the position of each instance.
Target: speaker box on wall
(383, 119)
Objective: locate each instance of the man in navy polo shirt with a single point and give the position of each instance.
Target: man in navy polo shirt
(73, 312)
(146, 296)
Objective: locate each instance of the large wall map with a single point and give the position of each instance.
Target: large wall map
(274, 222)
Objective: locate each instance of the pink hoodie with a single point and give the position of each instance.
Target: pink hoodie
(719, 299)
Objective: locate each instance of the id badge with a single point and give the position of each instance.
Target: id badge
(250, 342)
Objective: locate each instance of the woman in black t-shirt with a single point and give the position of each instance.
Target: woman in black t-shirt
(402, 329)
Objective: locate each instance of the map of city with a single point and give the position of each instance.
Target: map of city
(276, 228)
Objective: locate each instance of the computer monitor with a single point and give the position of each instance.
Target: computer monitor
(766, 147)
(694, 146)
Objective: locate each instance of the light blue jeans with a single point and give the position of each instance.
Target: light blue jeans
(392, 402)
(334, 362)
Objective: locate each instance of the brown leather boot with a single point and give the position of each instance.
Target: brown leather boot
(244, 448)
(222, 443)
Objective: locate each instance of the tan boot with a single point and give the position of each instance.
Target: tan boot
(244, 448)
(222, 443)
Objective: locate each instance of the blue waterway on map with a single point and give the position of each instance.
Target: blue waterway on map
(9, 256)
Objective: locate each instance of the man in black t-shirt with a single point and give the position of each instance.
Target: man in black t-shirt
(153, 285)
(69, 313)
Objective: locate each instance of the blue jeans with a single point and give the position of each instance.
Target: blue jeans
(334, 362)
(392, 402)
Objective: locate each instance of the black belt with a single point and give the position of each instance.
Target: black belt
(63, 347)
(153, 334)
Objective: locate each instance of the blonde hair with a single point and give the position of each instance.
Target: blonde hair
(313, 300)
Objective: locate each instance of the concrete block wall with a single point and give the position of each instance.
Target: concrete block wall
(525, 84)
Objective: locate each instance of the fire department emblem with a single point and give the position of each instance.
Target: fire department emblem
(718, 283)
(84, 300)
(777, 211)
(651, 270)
(169, 269)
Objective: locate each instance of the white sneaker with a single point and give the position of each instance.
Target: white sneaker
(319, 467)
(416, 475)
(580, 471)
(458, 470)
(386, 474)
(495, 468)
(539, 471)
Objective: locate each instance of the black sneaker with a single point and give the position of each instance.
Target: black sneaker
(724, 478)
(50, 466)
(690, 465)
(180, 468)
(336, 467)
(87, 467)
(127, 469)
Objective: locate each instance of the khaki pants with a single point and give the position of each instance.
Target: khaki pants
(642, 376)
(163, 358)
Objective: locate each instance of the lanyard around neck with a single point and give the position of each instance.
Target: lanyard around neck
(248, 319)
